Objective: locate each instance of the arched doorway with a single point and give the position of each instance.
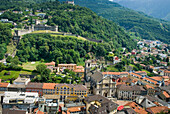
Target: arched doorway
(105, 94)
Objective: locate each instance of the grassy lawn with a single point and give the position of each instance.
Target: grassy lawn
(14, 74)
(11, 48)
(45, 31)
(53, 34)
(112, 68)
(81, 38)
(30, 66)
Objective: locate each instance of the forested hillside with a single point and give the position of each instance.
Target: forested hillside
(81, 21)
(66, 49)
(84, 22)
(156, 8)
(144, 26)
(5, 37)
(18, 4)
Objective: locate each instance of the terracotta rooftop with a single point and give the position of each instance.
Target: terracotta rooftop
(157, 78)
(158, 109)
(165, 77)
(76, 109)
(149, 87)
(140, 72)
(79, 67)
(49, 85)
(115, 73)
(166, 71)
(139, 76)
(4, 84)
(136, 108)
(66, 64)
(79, 70)
(134, 80)
(166, 94)
(155, 82)
(51, 63)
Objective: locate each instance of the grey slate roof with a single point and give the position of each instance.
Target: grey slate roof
(106, 104)
(97, 76)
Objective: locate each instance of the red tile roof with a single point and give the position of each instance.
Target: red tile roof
(166, 94)
(4, 84)
(51, 63)
(149, 87)
(157, 78)
(49, 85)
(158, 109)
(140, 72)
(166, 71)
(115, 73)
(76, 109)
(78, 70)
(136, 108)
(79, 67)
(139, 76)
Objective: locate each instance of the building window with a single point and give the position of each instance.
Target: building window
(106, 85)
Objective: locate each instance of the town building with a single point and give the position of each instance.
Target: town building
(74, 107)
(150, 90)
(167, 73)
(67, 66)
(137, 108)
(145, 102)
(153, 81)
(48, 88)
(117, 74)
(50, 64)
(125, 92)
(158, 109)
(14, 110)
(19, 84)
(21, 81)
(70, 91)
(79, 71)
(98, 104)
(35, 87)
(103, 85)
(70, 2)
(22, 100)
(17, 88)
(165, 96)
(4, 86)
(116, 60)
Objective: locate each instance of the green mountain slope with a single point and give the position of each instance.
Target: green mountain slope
(146, 27)
(5, 37)
(156, 8)
(81, 21)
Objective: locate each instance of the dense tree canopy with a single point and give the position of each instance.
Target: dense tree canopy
(5, 37)
(145, 27)
(66, 49)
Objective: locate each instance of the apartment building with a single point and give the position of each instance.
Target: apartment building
(22, 100)
(125, 92)
(98, 104)
(35, 87)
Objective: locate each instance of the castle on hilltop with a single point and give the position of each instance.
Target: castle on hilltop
(32, 28)
(70, 2)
